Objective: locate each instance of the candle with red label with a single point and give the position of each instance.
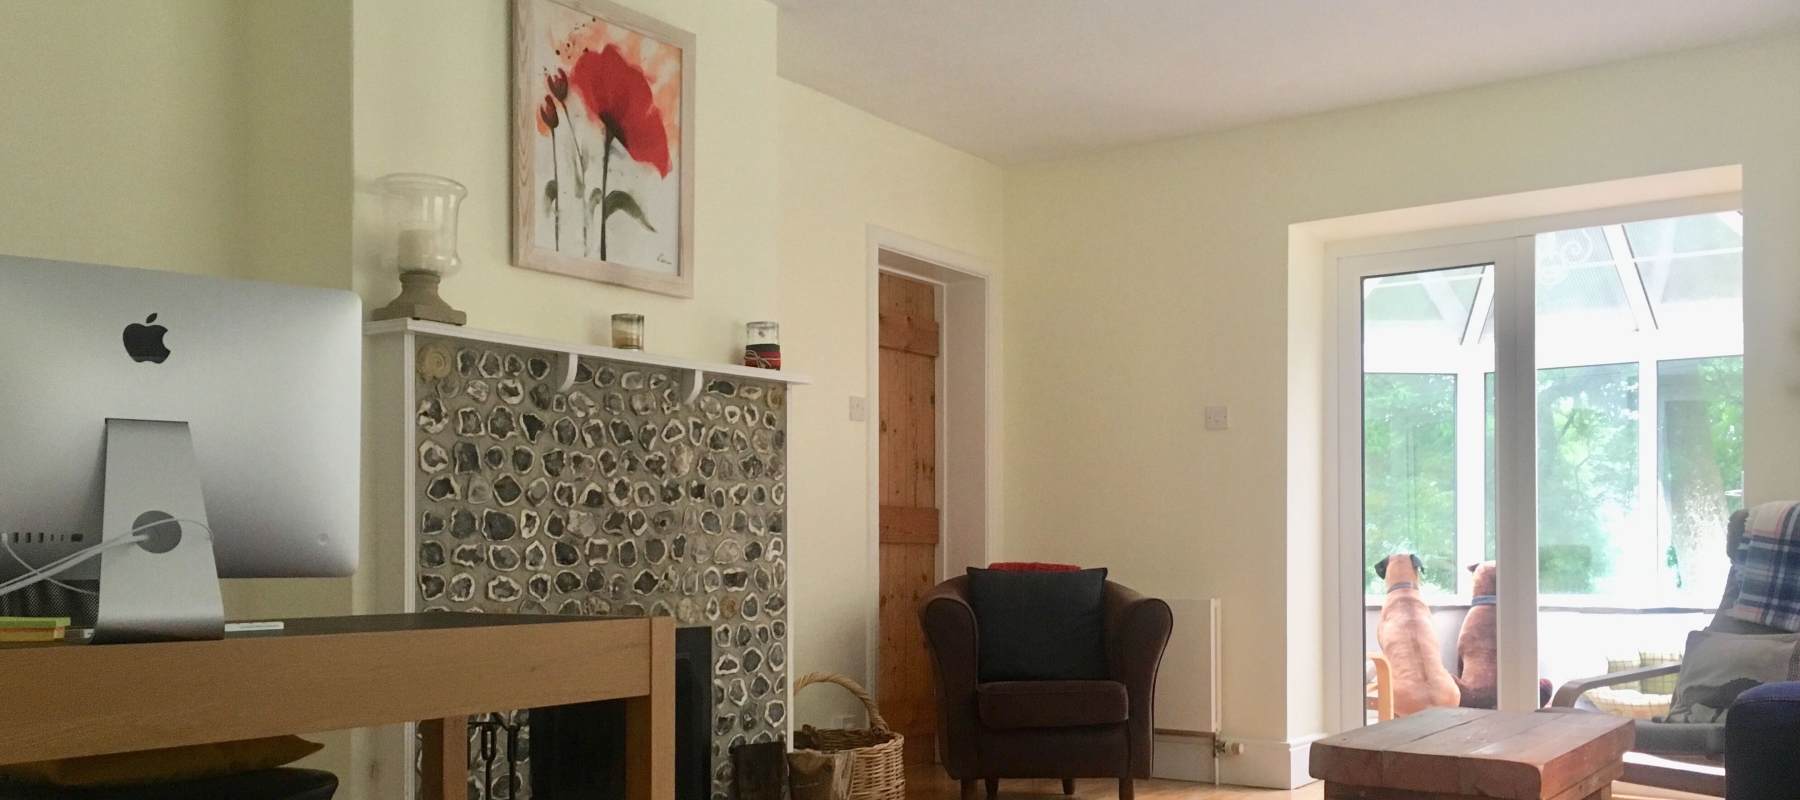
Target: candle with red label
(762, 346)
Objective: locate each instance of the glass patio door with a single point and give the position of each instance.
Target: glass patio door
(1429, 345)
(1565, 408)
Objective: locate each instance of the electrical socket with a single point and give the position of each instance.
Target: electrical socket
(1218, 418)
(859, 409)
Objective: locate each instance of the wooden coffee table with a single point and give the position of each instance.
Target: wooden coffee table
(1464, 753)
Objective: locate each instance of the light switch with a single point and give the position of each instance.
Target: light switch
(1218, 418)
(859, 409)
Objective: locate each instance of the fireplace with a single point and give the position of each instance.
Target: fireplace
(615, 488)
(578, 751)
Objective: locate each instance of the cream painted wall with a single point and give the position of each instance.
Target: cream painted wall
(841, 171)
(206, 136)
(789, 181)
(432, 96)
(1155, 279)
(121, 135)
(231, 138)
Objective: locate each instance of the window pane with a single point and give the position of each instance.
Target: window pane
(1578, 292)
(1692, 269)
(1701, 458)
(1587, 435)
(1418, 316)
(1409, 473)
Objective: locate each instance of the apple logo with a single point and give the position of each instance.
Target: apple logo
(145, 342)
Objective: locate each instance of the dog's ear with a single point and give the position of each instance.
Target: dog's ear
(1475, 566)
(1381, 569)
(1418, 566)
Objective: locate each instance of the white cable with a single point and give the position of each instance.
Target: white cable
(37, 574)
(6, 541)
(46, 572)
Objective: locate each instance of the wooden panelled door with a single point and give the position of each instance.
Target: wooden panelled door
(909, 506)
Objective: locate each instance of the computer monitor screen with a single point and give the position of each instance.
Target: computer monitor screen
(267, 377)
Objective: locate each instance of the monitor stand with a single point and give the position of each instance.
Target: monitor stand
(167, 587)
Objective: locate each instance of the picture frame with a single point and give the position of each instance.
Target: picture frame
(600, 171)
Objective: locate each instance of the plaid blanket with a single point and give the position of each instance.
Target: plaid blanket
(1768, 567)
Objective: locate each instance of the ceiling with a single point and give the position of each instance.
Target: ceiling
(1019, 80)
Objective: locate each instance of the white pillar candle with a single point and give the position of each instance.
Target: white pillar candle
(417, 247)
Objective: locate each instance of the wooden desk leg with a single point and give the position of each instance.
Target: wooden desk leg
(446, 755)
(650, 723)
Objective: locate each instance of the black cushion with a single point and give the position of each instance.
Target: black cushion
(1040, 626)
(282, 783)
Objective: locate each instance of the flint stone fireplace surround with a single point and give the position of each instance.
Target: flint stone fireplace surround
(530, 476)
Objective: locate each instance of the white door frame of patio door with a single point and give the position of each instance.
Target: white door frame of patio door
(1513, 261)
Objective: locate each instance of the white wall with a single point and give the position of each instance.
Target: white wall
(432, 96)
(207, 136)
(788, 182)
(1150, 281)
(122, 142)
(230, 138)
(842, 170)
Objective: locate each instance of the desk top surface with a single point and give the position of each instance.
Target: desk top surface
(370, 623)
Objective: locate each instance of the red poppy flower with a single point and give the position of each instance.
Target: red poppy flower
(559, 84)
(618, 97)
(547, 112)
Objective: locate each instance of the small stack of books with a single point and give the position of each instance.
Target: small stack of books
(33, 629)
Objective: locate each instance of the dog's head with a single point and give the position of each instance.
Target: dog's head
(1399, 568)
(1485, 583)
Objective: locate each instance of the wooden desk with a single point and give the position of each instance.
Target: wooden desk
(1458, 753)
(330, 673)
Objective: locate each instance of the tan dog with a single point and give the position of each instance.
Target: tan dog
(1476, 673)
(1409, 642)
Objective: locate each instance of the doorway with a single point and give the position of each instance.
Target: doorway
(933, 501)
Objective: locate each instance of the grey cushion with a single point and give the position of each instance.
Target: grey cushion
(1677, 738)
(1719, 666)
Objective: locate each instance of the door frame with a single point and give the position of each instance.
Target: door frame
(1347, 261)
(968, 475)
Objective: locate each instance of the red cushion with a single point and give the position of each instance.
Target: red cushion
(1032, 566)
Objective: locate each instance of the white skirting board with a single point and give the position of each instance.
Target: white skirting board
(1264, 764)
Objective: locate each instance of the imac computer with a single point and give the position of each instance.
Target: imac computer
(216, 423)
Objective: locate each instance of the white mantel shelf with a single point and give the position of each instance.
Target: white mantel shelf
(700, 368)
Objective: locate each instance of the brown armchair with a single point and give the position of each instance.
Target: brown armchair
(1046, 729)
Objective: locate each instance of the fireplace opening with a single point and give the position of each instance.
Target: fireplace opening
(578, 751)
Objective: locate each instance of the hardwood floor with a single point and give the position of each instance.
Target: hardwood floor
(928, 782)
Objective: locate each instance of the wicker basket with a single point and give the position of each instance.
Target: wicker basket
(878, 765)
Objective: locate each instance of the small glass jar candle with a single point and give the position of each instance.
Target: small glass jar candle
(628, 331)
(762, 345)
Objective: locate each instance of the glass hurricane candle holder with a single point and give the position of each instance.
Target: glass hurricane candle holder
(628, 331)
(420, 214)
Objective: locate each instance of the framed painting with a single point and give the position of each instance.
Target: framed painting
(603, 145)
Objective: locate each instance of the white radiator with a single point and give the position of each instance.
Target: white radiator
(1188, 692)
